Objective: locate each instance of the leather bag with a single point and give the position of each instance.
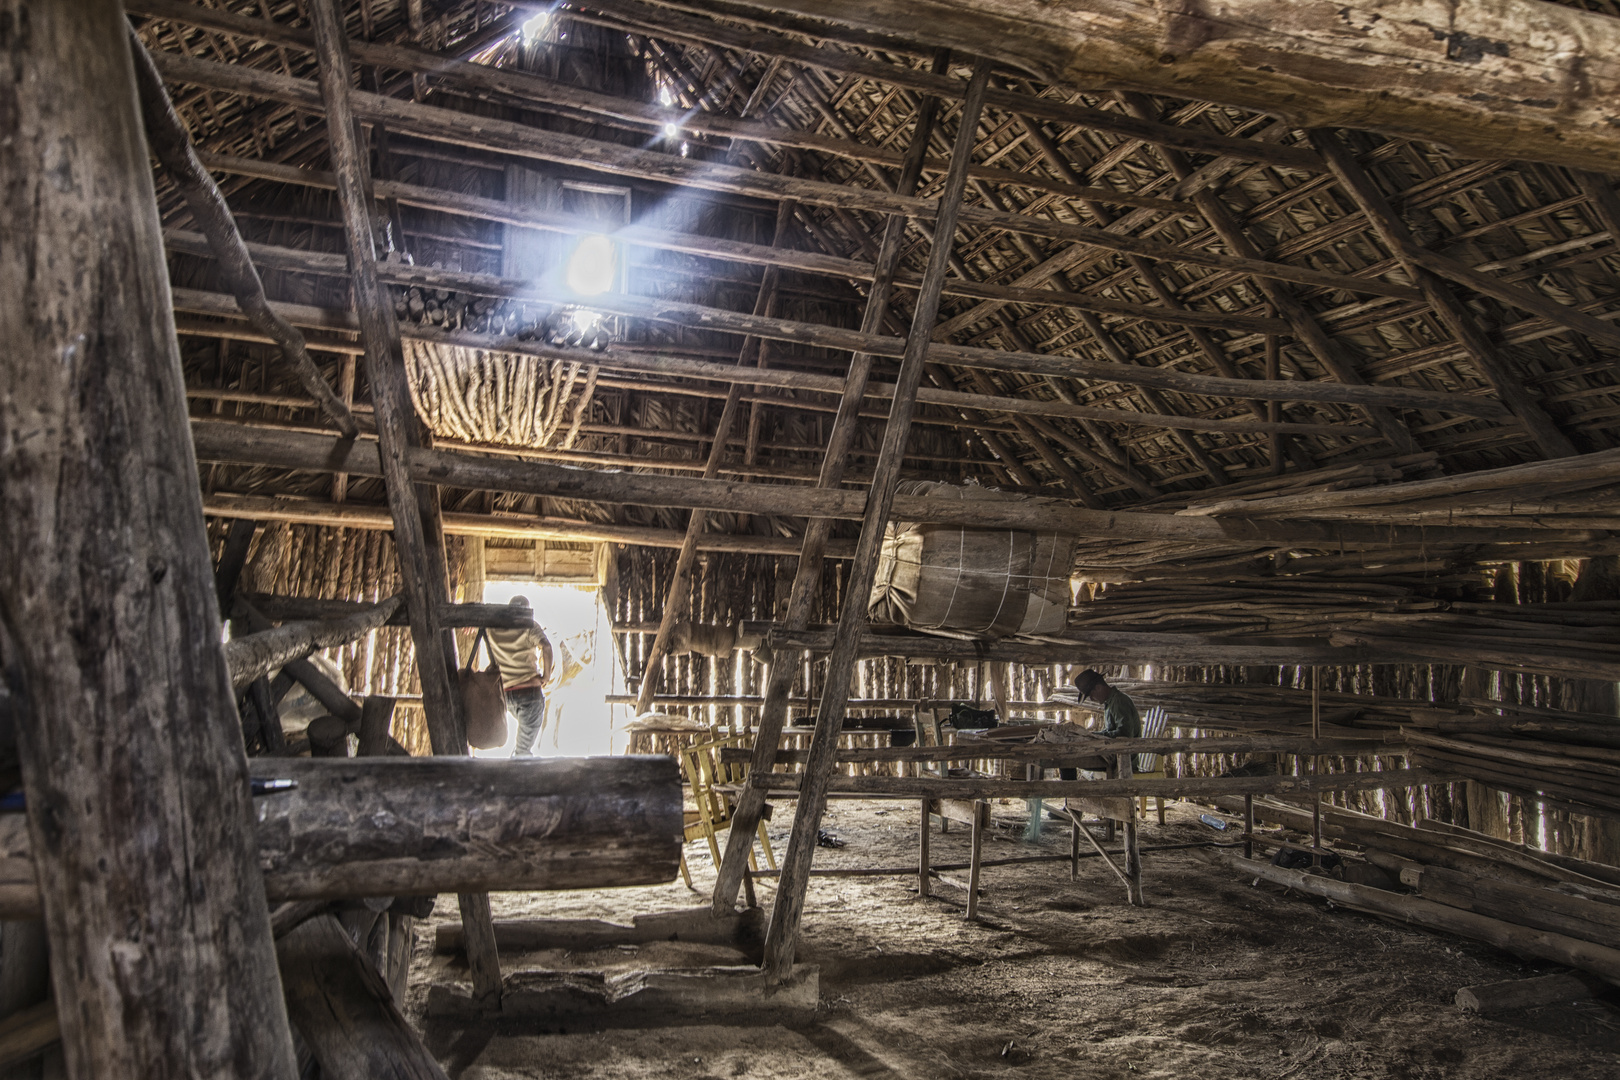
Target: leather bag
(483, 700)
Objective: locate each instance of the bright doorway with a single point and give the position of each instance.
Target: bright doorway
(579, 721)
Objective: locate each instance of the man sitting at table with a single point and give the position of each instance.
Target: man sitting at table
(1120, 718)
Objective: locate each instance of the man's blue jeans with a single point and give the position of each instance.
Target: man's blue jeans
(528, 704)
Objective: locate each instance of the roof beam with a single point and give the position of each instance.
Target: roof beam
(301, 451)
(504, 136)
(1513, 79)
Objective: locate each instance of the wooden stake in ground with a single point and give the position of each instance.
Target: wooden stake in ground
(132, 757)
(421, 560)
(782, 937)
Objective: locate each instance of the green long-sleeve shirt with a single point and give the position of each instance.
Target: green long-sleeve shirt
(1120, 718)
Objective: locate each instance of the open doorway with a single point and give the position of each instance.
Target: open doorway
(578, 718)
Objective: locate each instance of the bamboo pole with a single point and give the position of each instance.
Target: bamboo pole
(781, 938)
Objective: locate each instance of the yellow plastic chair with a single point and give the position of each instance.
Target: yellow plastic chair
(709, 778)
(1153, 725)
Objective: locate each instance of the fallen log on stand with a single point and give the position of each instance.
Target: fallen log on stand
(362, 827)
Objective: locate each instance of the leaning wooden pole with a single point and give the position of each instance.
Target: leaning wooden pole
(807, 578)
(675, 602)
(132, 759)
(171, 142)
(421, 563)
(782, 937)
(1494, 367)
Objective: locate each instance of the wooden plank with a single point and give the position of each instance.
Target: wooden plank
(1116, 808)
(1062, 751)
(1489, 999)
(100, 504)
(1545, 909)
(1535, 944)
(781, 939)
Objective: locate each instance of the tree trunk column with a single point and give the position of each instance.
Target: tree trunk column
(132, 755)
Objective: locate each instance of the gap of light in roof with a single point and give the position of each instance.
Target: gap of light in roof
(593, 265)
(534, 27)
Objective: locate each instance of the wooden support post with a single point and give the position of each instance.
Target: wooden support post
(1316, 766)
(1248, 826)
(422, 567)
(680, 581)
(153, 901)
(344, 1009)
(1133, 850)
(782, 937)
(924, 885)
(231, 562)
(980, 812)
(376, 717)
(807, 576)
(1074, 847)
(1491, 364)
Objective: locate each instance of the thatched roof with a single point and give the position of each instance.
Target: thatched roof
(1173, 190)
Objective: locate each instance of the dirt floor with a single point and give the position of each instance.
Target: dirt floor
(1217, 977)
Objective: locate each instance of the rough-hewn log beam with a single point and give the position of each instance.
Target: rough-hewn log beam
(1514, 79)
(507, 526)
(409, 826)
(217, 441)
(259, 654)
(162, 961)
(708, 318)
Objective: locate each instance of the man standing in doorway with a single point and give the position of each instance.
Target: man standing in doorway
(524, 659)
